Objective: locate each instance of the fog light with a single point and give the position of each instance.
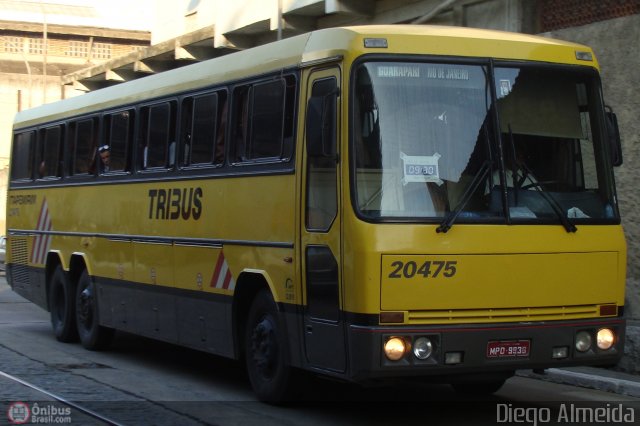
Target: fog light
(453, 358)
(422, 348)
(583, 341)
(560, 352)
(395, 348)
(605, 338)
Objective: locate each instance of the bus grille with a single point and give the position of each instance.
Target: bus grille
(19, 261)
(18, 247)
(459, 316)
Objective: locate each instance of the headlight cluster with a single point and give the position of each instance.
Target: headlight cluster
(397, 347)
(604, 339)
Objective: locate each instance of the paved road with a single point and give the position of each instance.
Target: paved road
(139, 381)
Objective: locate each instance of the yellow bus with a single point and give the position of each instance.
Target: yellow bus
(366, 203)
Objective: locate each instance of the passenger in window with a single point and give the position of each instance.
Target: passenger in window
(105, 158)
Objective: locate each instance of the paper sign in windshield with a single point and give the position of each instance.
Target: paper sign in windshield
(420, 168)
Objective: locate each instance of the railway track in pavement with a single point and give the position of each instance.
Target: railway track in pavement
(21, 412)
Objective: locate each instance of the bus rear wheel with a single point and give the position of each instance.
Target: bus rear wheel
(265, 351)
(62, 306)
(93, 336)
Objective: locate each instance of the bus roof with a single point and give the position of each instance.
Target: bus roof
(346, 42)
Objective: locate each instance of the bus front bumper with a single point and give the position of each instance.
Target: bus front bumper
(481, 348)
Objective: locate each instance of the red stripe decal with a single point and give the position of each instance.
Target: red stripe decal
(227, 280)
(39, 243)
(216, 271)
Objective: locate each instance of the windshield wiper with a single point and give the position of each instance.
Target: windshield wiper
(555, 206)
(480, 177)
(451, 217)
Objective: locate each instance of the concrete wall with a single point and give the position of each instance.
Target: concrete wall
(616, 45)
(21, 91)
(258, 18)
(171, 19)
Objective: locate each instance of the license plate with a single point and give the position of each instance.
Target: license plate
(508, 349)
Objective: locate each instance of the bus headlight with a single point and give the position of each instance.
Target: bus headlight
(583, 341)
(605, 338)
(422, 348)
(395, 348)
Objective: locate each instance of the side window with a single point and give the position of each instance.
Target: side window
(22, 156)
(267, 117)
(114, 152)
(288, 125)
(240, 129)
(48, 160)
(263, 120)
(322, 196)
(204, 123)
(158, 146)
(83, 146)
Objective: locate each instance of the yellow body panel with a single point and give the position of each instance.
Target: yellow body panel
(133, 239)
(496, 281)
(496, 268)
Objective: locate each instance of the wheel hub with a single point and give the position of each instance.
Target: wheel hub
(85, 313)
(264, 347)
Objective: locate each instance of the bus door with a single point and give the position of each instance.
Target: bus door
(320, 234)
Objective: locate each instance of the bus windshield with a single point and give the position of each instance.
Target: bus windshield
(516, 143)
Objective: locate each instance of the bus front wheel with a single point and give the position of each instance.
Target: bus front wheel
(61, 306)
(265, 351)
(93, 336)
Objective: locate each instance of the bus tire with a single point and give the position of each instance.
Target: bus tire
(93, 336)
(62, 307)
(265, 351)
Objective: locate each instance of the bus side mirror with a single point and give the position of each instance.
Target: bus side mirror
(613, 132)
(321, 126)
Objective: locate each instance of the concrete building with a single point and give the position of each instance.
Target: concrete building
(201, 29)
(195, 30)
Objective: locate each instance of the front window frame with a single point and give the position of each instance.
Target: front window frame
(596, 102)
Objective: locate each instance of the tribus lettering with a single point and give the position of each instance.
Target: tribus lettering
(175, 203)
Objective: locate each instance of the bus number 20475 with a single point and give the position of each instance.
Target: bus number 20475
(428, 269)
